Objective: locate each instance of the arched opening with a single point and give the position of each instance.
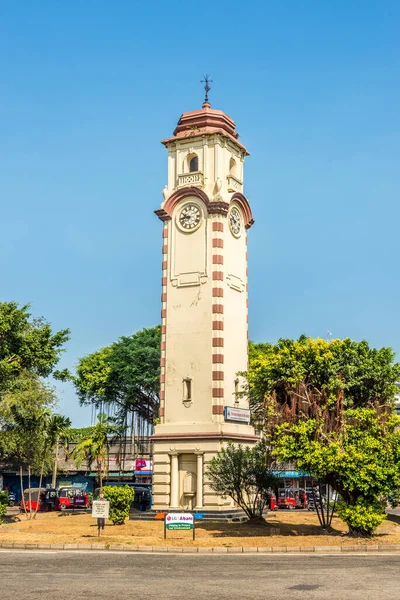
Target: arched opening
(232, 167)
(193, 163)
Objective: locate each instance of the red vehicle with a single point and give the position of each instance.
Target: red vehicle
(33, 499)
(72, 498)
(291, 498)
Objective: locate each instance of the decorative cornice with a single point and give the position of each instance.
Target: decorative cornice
(166, 212)
(218, 207)
(161, 214)
(205, 436)
(214, 207)
(242, 201)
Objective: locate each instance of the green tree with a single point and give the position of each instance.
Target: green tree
(124, 376)
(362, 373)
(28, 445)
(244, 474)
(57, 433)
(27, 344)
(360, 459)
(328, 406)
(95, 448)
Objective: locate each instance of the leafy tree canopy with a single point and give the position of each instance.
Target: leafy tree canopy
(360, 460)
(328, 407)
(27, 344)
(364, 374)
(125, 374)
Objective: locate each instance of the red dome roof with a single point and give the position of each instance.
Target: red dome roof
(207, 120)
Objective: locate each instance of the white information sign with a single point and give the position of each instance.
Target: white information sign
(179, 521)
(237, 414)
(100, 509)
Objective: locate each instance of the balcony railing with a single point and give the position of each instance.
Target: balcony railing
(189, 179)
(234, 184)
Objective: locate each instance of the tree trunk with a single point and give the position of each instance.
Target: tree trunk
(22, 491)
(99, 470)
(55, 466)
(40, 485)
(29, 492)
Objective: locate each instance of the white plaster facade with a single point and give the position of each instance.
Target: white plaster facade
(204, 309)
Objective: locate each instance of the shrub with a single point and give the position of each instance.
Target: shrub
(362, 518)
(120, 499)
(3, 505)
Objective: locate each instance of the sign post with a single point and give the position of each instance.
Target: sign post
(179, 521)
(100, 511)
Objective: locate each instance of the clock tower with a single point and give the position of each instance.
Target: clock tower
(206, 218)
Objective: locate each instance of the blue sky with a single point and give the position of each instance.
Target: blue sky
(89, 88)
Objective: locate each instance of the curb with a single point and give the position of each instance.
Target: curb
(362, 548)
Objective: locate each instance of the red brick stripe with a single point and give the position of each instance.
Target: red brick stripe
(218, 325)
(218, 358)
(218, 226)
(218, 292)
(217, 243)
(218, 276)
(218, 393)
(218, 410)
(218, 375)
(218, 341)
(218, 308)
(217, 259)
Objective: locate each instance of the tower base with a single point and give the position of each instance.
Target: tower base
(180, 462)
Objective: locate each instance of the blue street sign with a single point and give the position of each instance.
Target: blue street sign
(198, 515)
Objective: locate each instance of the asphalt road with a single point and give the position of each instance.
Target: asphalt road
(74, 575)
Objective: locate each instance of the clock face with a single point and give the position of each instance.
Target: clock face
(189, 217)
(235, 221)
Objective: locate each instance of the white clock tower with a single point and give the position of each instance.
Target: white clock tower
(204, 309)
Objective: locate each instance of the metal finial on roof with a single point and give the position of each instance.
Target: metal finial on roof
(207, 87)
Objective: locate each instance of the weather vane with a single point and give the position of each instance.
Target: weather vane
(206, 80)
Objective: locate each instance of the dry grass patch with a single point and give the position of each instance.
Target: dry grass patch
(280, 529)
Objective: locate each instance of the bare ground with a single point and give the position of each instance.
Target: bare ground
(280, 529)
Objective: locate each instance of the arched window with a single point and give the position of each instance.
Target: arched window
(194, 164)
(232, 167)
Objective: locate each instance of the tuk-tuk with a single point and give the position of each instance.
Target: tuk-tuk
(291, 498)
(33, 499)
(71, 497)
